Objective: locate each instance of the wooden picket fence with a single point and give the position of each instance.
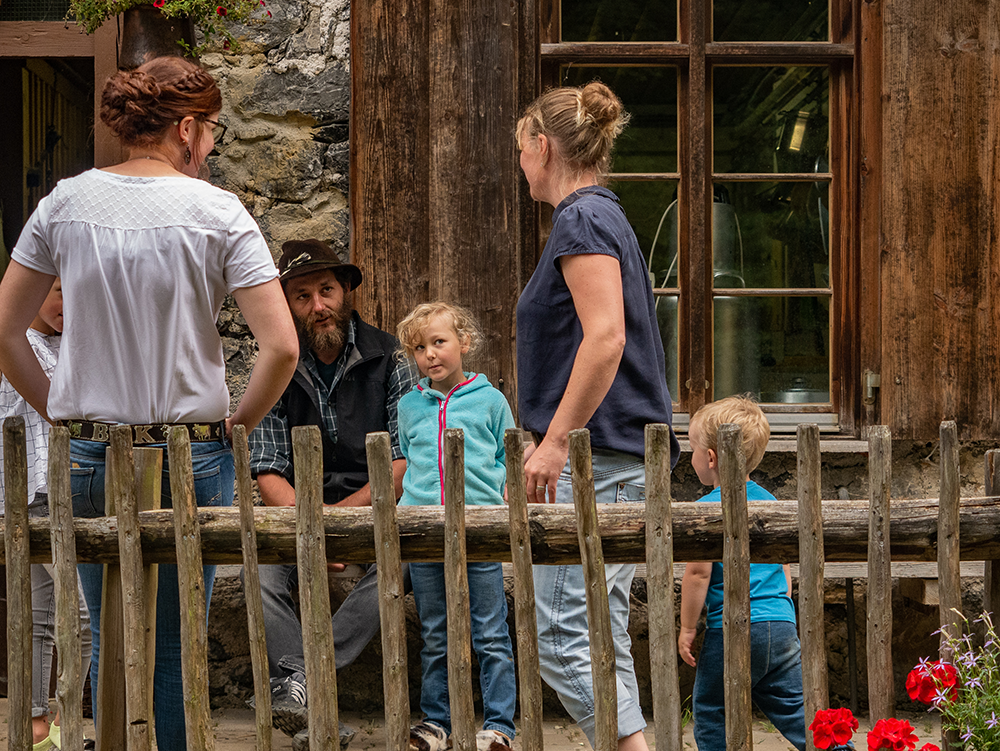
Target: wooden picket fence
(133, 541)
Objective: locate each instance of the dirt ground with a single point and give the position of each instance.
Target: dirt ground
(234, 731)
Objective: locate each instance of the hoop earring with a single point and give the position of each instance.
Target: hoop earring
(187, 156)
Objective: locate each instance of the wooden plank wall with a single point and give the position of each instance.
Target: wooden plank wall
(940, 251)
(437, 201)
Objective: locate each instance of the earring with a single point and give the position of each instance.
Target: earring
(187, 156)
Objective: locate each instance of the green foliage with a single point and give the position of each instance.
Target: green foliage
(210, 16)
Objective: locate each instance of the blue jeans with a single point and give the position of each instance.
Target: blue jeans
(561, 607)
(775, 680)
(490, 640)
(214, 476)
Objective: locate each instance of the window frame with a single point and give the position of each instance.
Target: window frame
(695, 57)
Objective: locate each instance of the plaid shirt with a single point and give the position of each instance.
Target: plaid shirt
(271, 441)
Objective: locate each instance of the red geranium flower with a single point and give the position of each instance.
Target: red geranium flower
(159, 3)
(225, 45)
(893, 734)
(221, 10)
(833, 727)
(930, 679)
(929, 747)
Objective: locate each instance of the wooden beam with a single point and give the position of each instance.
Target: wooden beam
(44, 39)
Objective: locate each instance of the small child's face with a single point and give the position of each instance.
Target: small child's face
(438, 352)
(704, 460)
(50, 316)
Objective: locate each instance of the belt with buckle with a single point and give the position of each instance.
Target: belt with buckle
(100, 432)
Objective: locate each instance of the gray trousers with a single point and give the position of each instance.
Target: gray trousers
(354, 623)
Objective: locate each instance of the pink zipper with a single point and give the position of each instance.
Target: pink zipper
(442, 424)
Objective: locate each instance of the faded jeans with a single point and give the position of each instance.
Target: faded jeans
(775, 681)
(561, 607)
(43, 622)
(214, 476)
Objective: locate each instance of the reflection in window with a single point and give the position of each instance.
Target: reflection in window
(776, 348)
(619, 20)
(771, 119)
(770, 20)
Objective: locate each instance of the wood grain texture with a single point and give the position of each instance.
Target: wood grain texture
(456, 582)
(602, 648)
(19, 623)
(392, 611)
(121, 481)
(881, 694)
(148, 485)
(812, 629)
(69, 685)
(530, 679)
(314, 590)
(949, 575)
(663, 671)
(991, 577)
(251, 589)
(191, 587)
(736, 588)
(111, 731)
(940, 308)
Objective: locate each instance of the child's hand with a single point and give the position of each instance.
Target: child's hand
(685, 640)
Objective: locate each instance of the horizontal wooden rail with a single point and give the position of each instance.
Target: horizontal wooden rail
(697, 531)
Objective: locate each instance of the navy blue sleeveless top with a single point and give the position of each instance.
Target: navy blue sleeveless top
(590, 221)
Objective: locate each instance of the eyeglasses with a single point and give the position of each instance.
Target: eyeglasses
(218, 132)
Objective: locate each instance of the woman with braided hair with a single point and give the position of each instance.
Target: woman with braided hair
(146, 254)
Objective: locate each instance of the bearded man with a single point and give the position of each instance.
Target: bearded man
(348, 382)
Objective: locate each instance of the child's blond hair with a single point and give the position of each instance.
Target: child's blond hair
(462, 322)
(743, 411)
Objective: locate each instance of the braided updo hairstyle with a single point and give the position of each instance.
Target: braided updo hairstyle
(584, 121)
(139, 105)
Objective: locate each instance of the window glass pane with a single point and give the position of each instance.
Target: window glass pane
(776, 348)
(651, 208)
(770, 21)
(33, 10)
(771, 119)
(771, 235)
(619, 20)
(649, 143)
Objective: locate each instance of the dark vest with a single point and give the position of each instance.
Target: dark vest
(360, 405)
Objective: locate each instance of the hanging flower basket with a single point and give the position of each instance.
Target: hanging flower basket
(147, 33)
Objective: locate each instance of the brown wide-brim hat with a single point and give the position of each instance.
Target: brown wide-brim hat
(300, 257)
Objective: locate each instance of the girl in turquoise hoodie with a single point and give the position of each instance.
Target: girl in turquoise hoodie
(436, 336)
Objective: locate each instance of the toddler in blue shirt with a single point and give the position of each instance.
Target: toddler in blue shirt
(775, 657)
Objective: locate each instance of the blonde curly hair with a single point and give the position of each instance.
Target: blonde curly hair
(408, 331)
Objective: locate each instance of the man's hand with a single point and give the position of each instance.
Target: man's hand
(685, 640)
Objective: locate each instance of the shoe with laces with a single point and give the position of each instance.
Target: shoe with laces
(492, 740)
(288, 704)
(427, 736)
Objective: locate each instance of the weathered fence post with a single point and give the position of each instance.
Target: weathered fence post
(251, 589)
(18, 584)
(812, 631)
(191, 590)
(530, 696)
(148, 485)
(881, 695)
(314, 590)
(121, 484)
(660, 592)
(602, 647)
(949, 574)
(456, 578)
(736, 588)
(69, 686)
(392, 613)
(991, 580)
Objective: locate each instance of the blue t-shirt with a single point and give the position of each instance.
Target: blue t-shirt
(769, 600)
(549, 333)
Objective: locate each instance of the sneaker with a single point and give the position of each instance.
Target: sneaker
(492, 740)
(288, 704)
(428, 737)
(300, 742)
